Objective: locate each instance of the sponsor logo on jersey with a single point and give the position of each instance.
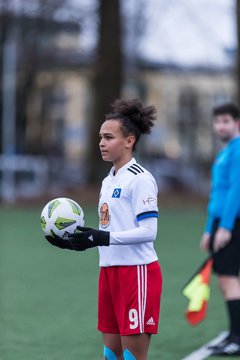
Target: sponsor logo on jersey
(149, 200)
(104, 215)
(116, 193)
(150, 321)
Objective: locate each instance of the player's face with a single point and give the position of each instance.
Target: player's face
(114, 146)
(225, 127)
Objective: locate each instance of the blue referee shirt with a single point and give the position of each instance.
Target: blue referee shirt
(224, 202)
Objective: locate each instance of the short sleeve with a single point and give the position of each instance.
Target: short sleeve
(144, 197)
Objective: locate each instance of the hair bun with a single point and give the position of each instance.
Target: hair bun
(128, 107)
(140, 116)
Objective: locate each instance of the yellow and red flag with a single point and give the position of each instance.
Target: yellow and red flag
(197, 290)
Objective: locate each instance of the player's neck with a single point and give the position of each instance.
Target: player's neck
(236, 135)
(119, 164)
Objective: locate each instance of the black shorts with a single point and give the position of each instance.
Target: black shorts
(227, 260)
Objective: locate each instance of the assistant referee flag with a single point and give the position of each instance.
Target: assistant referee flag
(197, 290)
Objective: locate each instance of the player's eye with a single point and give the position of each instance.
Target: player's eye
(108, 137)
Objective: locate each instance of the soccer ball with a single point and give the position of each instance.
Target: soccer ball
(61, 217)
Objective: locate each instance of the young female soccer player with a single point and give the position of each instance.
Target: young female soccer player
(130, 281)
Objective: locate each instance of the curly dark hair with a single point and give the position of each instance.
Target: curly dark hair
(227, 108)
(135, 118)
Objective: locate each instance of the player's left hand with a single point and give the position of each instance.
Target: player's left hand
(87, 238)
(221, 239)
(59, 242)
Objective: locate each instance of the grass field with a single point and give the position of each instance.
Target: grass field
(48, 296)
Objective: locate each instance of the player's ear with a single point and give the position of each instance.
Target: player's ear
(130, 141)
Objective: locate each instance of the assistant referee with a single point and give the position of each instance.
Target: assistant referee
(222, 233)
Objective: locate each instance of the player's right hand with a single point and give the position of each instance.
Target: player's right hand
(204, 243)
(221, 239)
(86, 238)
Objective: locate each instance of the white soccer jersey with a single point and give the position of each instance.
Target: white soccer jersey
(125, 199)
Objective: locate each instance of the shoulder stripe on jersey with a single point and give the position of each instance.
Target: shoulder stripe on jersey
(147, 214)
(137, 167)
(132, 171)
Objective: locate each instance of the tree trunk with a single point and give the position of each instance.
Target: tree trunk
(3, 31)
(107, 82)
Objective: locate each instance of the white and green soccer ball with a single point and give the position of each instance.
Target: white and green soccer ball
(61, 217)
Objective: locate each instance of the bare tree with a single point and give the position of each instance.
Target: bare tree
(34, 24)
(107, 80)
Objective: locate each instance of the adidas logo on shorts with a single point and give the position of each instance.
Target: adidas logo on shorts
(150, 321)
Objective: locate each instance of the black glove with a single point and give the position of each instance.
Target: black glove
(59, 242)
(85, 239)
(88, 238)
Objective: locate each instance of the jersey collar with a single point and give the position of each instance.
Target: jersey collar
(123, 168)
